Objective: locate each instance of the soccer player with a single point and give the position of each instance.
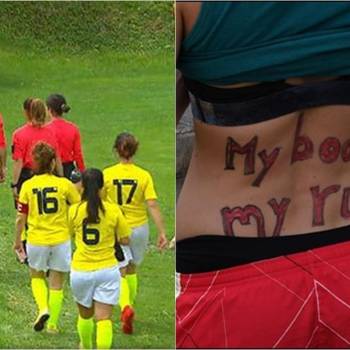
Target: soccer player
(43, 205)
(23, 139)
(68, 135)
(131, 187)
(2, 151)
(95, 277)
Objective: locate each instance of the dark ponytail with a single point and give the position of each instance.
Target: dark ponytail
(58, 104)
(92, 181)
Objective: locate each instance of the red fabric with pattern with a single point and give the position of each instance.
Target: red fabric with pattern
(295, 301)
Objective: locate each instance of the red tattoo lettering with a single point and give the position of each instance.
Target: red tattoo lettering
(268, 161)
(345, 211)
(303, 147)
(329, 150)
(345, 151)
(248, 150)
(243, 215)
(319, 199)
(280, 211)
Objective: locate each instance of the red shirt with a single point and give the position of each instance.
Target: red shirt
(68, 136)
(2, 134)
(26, 137)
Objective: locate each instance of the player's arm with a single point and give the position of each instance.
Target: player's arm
(21, 220)
(154, 210)
(78, 153)
(17, 168)
(156, 215)
(17, 157)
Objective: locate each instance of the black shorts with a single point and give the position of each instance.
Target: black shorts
(25, 175)
(68, 168)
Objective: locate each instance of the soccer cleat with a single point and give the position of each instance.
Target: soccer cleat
(127, 319)
(39, 323)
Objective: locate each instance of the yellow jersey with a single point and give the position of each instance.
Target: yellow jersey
(46, 198)
(129, 186)
(95, 242)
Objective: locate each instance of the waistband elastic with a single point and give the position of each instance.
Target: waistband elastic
(213, 252)
(262, 102)
(302, 261)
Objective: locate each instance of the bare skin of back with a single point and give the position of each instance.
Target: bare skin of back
(285, 176)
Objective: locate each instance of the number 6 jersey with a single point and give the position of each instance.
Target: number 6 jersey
(45, 198)
(95, 242)
(129, 186)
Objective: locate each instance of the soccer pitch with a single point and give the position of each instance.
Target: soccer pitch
(108, 93)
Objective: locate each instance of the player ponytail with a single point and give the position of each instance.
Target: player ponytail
(92, 181)
(126, 145)
(38, 112)
(26, 107)
(43, 156)
(57, 104)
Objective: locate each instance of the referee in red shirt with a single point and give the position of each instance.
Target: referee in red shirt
(25, 138)
(2, 151)
(68, 135)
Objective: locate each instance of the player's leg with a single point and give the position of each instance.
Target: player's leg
(37, 260)
(104, 329)
(138, 246)
(40, 294)
(59, 263)
(105, 297)
(131, 278)
(82, 285)
(56, 280)
(127, 312)
(85, 326)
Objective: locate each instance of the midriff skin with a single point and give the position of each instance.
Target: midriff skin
(209, 188)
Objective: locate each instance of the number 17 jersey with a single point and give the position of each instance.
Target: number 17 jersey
(129, 186)
(45, 199)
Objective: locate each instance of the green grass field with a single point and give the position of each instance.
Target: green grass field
(109, 92)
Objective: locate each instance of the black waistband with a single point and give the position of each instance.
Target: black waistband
(265, 101)
(211, 252)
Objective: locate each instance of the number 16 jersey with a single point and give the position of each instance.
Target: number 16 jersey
(45, 198)
(129, 186)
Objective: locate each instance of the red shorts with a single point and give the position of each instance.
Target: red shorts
(295, 301)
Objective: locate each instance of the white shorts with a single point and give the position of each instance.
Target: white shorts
(99, 285)
(56, 257)
(139, 242)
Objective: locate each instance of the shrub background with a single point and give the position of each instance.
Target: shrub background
(89, 25)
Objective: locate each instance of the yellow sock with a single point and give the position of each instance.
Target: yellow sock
(55, 306)
(40, 292)
(124, 298)
(132, 283)
(104, 334)
(85, 330)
